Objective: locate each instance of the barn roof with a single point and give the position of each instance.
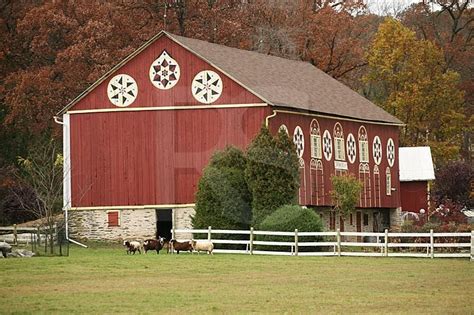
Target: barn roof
(277, 81)
(416, 164)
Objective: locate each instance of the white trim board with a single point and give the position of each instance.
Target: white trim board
(143, 207)
(160, 108)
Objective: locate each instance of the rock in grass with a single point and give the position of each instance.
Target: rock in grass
(5, 249)
(21, 253)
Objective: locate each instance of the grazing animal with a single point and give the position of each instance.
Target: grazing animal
(183, 246)
(132, 247)
(203, 246)
(151, 244)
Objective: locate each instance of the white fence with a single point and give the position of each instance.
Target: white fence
(429, 245)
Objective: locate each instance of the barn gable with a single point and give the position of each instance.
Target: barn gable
(143, 87)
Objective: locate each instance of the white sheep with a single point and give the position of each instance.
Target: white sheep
(203, 246)
(133, 246)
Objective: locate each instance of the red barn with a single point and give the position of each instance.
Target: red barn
(136, 141)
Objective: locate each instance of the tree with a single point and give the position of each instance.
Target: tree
(449, 24)
(408, 78)
(223, 199)
(453, 182)
(345, 193)
(42, 173)
(271, 173)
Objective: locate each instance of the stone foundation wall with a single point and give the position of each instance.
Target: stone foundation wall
(182, 220)
(137, 224)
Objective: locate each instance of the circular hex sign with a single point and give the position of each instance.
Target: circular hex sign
(298, 140)
(164, 72)
(207, 87)
(351, 148)
(377, 150)
(122, 90)
(327, 145)
(390, 152)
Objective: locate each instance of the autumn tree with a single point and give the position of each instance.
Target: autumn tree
(408, 78)
(449, 24)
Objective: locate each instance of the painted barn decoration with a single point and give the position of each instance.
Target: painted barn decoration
(136, 141)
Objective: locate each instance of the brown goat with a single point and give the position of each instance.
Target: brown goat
(183, 246)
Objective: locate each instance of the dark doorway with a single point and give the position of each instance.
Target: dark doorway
(164, 223)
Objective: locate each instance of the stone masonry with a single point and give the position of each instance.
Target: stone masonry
(136, 224)
(182, 220)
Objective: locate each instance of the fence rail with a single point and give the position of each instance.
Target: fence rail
(385, 244)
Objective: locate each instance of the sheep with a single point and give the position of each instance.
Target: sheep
(203, 246)
(186, 246)
(151, 244)
(133, 246)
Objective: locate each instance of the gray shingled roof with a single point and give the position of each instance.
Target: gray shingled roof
(279, 82)
(287, 83)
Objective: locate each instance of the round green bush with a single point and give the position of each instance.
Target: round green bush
(288, 218)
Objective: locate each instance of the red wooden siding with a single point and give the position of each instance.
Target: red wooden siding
(180, 94)
(374, 194)
(414, 196)
(151, 157)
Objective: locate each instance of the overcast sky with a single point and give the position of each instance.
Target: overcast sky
(383, 7)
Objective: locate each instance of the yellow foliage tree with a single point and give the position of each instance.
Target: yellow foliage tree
(409, 79)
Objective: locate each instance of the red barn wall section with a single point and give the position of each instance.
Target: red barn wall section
(414, 196)
(151, 157)
(180, 95)
(291, 121)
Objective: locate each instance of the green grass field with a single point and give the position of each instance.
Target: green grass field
(106, 280)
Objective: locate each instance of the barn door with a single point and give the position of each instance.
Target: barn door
(359, 224)
(164, 223)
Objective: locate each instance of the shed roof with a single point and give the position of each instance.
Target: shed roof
(278, 81)
(416, 164)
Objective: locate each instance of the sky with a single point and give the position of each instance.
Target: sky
(383, 7)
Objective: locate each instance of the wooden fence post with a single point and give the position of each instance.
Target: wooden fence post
(251, 241)
(173, 237)
(386, 243)
(338, 239)
(296, 242)
(15, 235)
(431, 244)
(472, 245)
(209, 233)
(38, 238)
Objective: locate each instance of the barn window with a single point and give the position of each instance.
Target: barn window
(377, 188)
(366, 191)
(350, 219)
(339, 148)
(113, 218)
(284, 128)
(316, 150)
(366, 219)
(302, 190)
(388, 177)
(317, 182)
(363, 145)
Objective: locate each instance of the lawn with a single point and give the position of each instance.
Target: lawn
(106, 280)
